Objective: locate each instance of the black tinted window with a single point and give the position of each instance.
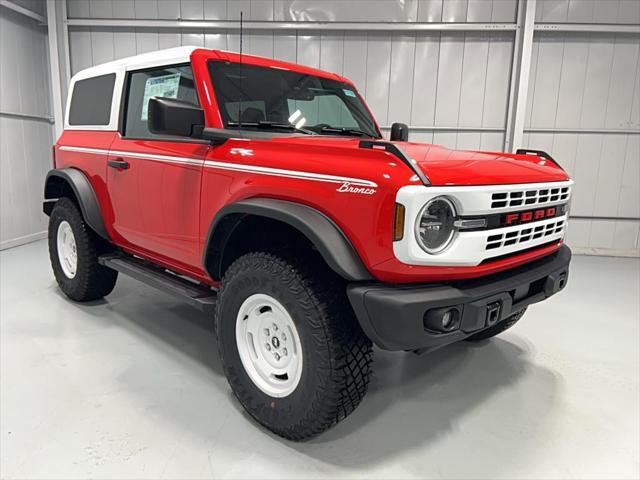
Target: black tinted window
(91, 101)
(168, 82)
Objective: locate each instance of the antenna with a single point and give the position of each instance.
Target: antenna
(241, 91)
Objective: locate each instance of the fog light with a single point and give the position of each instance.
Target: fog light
(447, 320)
(442, 320)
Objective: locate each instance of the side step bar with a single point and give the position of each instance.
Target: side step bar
(198, 295)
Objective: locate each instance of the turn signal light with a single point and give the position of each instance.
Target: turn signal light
(398, 226)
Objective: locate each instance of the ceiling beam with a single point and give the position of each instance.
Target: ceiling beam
(23, 11)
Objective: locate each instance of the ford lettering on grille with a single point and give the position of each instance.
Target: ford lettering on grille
(529, 216)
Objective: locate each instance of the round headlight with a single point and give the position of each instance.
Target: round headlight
(434, 225)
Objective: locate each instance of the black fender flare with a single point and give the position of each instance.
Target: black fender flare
(332, 244)
(83, 191)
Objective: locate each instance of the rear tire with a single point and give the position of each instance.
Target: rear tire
(73, 250)
(334, 354)
(498, 328)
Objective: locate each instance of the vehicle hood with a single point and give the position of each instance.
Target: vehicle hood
(443, 166)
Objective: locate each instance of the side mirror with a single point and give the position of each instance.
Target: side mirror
(399, 132)
(168, 116)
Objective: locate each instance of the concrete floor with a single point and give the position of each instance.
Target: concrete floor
(131, 387)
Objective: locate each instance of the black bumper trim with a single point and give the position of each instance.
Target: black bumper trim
(392, 316)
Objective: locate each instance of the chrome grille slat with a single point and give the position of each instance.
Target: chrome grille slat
(526, 233)
(529, 198)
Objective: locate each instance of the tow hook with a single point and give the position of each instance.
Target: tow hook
(493, 313)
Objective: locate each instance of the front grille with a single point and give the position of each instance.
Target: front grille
(526, 233)
(526, 198)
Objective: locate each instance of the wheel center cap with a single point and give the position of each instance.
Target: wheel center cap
(275, 341)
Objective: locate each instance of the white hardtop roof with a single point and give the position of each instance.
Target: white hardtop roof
(144, 60)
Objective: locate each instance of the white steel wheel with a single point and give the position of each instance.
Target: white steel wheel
(67, 252)
(269, 345)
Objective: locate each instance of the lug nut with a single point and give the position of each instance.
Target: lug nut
(266, 332)
(284, 352)
(267, 346)
(275, 327)
(284, 337)
(276, 356)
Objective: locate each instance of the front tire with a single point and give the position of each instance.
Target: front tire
(73, 250)
(301, 384)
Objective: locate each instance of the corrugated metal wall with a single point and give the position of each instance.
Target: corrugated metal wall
(583, 108)
(450, 87)
(443, 80)
(26, 133)
(424, 79)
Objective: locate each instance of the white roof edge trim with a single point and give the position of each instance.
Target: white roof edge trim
(159, 57)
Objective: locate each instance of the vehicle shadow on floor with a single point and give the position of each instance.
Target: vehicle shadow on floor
(414, 402)
(147, 311)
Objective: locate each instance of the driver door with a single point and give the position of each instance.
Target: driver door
(154, 181)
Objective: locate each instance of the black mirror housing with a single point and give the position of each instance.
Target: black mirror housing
(399, 132)
(168, 116)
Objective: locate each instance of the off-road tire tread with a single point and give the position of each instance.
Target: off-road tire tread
(345, 351)
(92, 280)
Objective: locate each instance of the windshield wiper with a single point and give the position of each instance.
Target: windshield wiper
(266, 125)
(346, 131)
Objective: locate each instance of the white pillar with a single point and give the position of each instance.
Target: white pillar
(520, 75)
(54, 67)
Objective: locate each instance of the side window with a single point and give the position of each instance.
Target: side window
(91, 101)
(171, 82)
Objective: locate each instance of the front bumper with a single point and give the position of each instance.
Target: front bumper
(402, 317)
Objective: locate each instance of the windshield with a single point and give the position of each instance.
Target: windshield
(250, 96)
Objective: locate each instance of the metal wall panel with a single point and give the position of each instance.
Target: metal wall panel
(332, 52)
(332, 10)
(189, 9)
(401, 77)
(425, 79)
(355, 59)
(25, 143)
(124, 9)
(387, 67)
(215, 9)
(449, 79)
(497, 81)
(36, 6)
(308, 49)
(601, 236)
(422, 79)
(376, 87)
(587, 85)
(285, 47)
(588, 11)
(451, 86)
(474, 81)
(301, 10)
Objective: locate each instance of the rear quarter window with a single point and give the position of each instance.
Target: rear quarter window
(91, 101)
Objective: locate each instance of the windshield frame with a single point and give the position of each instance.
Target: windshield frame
(372, 129)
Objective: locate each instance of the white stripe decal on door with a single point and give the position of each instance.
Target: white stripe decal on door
(257, 169)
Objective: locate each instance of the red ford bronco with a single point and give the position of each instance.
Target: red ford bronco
(264, 193)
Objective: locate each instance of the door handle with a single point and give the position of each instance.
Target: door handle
(118, 163)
